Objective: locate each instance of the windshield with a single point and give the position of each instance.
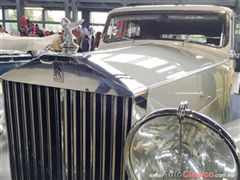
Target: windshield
(201, 28)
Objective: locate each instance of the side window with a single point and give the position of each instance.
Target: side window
(120, 29)
(115, 29)
(111, 32)
(133, 30)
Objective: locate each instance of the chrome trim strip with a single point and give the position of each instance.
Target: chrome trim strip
(81, 135)
(58, 133)
(126, 119)
(14, 61)
(64, 134)
(12, 142)
(93, 134)
(15, 98)
(124, 132)
(73, 135)
(84, 135)
(25, 129)
(103, 133)
(49, 132)
(33, 132)
(40, 122)
(113, 136)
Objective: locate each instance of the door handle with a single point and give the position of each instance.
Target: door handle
(204, 97)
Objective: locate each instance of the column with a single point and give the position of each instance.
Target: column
(74, 11)
(67, 9)
(20, 10)
(86, 17)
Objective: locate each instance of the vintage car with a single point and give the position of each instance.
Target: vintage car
(101, 114)
(26, 44)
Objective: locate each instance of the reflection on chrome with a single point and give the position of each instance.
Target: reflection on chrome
(2, 122)
(156, 149)
(2, 116)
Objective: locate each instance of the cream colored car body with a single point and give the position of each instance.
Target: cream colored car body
(174, 71)
(24, 44)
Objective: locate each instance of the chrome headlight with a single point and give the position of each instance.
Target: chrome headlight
(164, 145)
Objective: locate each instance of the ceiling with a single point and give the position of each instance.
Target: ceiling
(106, 5)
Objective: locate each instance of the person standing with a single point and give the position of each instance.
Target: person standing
(85, 45)
(97, 39)
(2, 29)
(92, 43)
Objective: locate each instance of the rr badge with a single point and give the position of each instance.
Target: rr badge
(58, 73)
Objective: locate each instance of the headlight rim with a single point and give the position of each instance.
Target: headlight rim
(194, 115)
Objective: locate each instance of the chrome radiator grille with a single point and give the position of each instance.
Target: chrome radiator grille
(65, 134)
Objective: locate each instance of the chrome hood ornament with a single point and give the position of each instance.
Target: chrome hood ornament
(69, 46)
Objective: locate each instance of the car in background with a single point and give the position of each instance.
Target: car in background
(26, 44)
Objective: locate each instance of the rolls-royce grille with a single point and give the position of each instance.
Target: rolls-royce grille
(65, 134)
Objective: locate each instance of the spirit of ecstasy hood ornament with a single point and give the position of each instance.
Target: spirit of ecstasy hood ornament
(69, 46)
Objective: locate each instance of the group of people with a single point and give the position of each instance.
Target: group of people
(83, 38)
(86, 39)
(28, 28)
(32, 30)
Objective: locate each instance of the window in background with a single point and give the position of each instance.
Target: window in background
(54, 16)
(1, 18)
(97, 28)
(10, 14)
(53, 27)
(79, 15)
(11, 28)
(33, 14)
(98, 17)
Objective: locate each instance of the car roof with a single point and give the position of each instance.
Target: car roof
(172, 8)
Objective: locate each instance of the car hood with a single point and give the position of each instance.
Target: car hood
(158, 62)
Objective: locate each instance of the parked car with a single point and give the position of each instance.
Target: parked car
(26, 44)
(69, 116)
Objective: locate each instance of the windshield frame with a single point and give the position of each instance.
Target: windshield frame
(177, 12)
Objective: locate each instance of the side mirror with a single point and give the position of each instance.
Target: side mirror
(178, 144)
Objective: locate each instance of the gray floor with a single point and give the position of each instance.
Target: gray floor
(4, 154)
(235, 107)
